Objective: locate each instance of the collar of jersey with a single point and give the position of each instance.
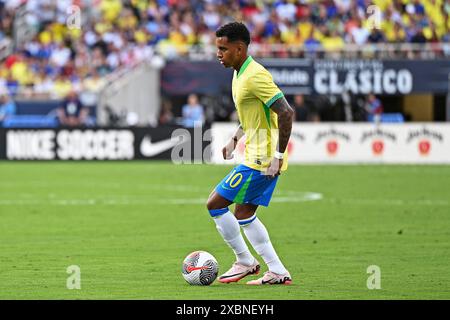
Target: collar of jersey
(245, 65)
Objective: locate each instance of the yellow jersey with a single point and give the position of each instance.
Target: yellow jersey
(254, 92)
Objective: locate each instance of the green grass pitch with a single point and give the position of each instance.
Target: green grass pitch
(129, 225)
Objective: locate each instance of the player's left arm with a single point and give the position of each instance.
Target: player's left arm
(285, 118)
(265, 89)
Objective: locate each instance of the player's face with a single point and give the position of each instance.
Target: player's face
(227, 52)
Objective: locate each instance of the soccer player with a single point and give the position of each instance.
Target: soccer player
(266, 120)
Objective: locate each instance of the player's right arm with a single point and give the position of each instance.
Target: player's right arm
(227, 151)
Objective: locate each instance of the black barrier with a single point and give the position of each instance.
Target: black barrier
(178, 144)
(383, 77)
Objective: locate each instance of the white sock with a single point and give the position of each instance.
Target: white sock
(228, 227)
(258, 236)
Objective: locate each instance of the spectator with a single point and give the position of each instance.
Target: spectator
(301, 110)
(311, 43)
(332, 41)
(418, 37)
(166, 116)
(374, 108)
(62, 86)
(7, 107)
(286, 10)
(72, 113)
(92, 85)
(12, 84)
(359, 33)
(60, 55)
(376, 36)
(305, 109)
(193, 113)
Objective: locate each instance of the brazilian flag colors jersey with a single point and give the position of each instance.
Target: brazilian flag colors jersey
(254, 92)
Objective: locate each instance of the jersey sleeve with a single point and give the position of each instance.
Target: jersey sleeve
(263, 87)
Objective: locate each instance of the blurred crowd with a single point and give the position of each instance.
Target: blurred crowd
(76, 44)
(115, 33)
(64, 56)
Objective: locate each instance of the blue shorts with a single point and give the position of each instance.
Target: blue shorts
(247, 185)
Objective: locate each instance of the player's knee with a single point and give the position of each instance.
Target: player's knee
(210, 204)
(244, 212)
(215, 201)
(213, 204)
(243, 215)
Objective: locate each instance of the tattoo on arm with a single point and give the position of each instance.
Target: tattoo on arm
(238, 134)
(285, 117)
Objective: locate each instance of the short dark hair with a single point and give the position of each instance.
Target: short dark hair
(234, 31)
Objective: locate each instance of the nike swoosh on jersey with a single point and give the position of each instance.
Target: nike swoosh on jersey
(150, 149)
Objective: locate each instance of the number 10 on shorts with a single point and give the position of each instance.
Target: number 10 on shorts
(234, 179)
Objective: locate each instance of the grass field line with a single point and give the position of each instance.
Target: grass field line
(108, 185)
(279, 197)
(394, 202)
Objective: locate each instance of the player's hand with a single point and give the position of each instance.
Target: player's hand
(274, 168)
(227, 151)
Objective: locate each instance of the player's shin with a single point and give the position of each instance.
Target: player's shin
(258, 236)
(228, 227)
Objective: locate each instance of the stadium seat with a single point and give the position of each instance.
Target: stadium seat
(30, 121)
(392, 117)
(389, 118)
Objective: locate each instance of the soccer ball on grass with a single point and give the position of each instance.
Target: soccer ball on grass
(200, 268)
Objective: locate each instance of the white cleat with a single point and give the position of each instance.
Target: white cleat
(239, 271)
(272, 278)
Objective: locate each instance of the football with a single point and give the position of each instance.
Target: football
(200, 268)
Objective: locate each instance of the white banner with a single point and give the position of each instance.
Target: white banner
(414, 143)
